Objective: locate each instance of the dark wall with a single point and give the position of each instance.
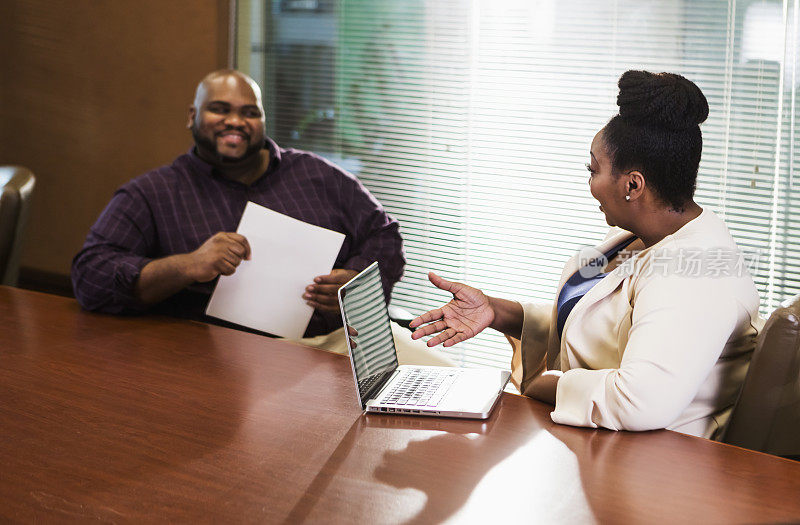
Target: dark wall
(92, 93)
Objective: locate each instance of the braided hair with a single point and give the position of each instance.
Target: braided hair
(657, 132)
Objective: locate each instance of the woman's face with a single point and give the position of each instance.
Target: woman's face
(609, 190)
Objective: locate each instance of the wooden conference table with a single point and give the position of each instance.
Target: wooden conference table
(114, 419)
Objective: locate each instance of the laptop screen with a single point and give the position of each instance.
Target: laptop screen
(366, 321)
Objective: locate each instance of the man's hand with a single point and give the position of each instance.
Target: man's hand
(322, 293)
(219, 255)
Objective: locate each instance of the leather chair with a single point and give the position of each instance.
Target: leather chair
(16, 187)
(766, 416)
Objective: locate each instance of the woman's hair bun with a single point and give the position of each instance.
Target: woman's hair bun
(661, 99)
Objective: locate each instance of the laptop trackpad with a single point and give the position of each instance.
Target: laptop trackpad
(475, 390)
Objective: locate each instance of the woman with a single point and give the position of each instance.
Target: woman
(657, 329)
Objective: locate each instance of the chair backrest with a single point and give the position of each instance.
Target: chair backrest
(766, 416)
(16, 187)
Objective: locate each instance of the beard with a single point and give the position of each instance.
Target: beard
(210, 146)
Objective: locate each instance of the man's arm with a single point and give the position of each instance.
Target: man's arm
(219, 255)
(115, 273)
(105, 270)
(375, 235)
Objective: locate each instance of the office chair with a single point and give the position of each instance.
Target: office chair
(766, 416)
(16, 186)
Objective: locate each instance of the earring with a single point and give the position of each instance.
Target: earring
(627, 197)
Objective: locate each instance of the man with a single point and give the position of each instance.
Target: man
(167, 235)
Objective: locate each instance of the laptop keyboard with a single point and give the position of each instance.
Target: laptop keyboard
(365, 384)
(421, 387)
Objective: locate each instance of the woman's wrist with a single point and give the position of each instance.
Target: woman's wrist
(508, 316)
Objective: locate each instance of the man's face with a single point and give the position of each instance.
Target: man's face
(227, 120)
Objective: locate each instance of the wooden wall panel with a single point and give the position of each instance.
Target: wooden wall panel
(93, 93)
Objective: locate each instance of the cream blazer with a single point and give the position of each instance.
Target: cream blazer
(663, 341)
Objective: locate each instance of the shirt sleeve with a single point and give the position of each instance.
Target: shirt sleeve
(375, 235)
(529, 356)
(106, 269)
(679, 328)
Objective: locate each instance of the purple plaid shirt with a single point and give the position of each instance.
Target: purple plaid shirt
(175, 208)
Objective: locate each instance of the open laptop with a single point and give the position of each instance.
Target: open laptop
(383, 386)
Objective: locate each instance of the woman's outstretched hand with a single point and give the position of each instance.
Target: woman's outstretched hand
(465, 316)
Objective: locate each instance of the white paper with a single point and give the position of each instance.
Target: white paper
(266, 292)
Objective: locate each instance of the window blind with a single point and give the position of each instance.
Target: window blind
(471, 120)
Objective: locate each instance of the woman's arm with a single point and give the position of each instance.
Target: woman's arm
(508, 317)
(545, 386)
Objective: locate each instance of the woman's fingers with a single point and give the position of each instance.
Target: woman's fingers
(427, 317)
(441, 282)
(460, 336)
(443, 337)
(453, 337)
(429, 329)
(448, 338)
(444, 334)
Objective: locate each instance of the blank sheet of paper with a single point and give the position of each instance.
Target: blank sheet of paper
(266, 292)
